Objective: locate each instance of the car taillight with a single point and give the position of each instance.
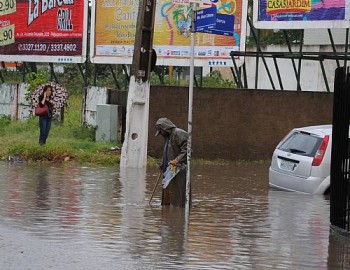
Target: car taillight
(320, 152)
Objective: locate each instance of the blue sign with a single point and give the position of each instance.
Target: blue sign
(205, 18)
(224, 26)
(224, 22)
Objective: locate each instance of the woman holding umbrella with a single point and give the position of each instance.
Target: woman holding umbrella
(54, 97)
(45, 120)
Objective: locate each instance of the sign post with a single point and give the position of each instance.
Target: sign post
(190, 108)
(206, 20)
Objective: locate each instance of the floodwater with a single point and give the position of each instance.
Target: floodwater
(68, 216)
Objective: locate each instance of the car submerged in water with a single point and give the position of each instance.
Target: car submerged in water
(301, 162)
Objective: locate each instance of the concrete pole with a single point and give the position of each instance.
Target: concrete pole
(134, 150)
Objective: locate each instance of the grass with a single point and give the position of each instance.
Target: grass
(67, 141)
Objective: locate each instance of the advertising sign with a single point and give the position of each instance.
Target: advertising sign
(113, 28)
(43, 31)
(113, 33)
(301, 14)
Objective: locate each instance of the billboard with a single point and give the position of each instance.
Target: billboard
(43, 31)
(113, 27)
(301, 14)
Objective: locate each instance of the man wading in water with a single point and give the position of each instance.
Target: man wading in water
(173, 163)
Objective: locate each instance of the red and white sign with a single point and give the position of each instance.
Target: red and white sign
(43, 31)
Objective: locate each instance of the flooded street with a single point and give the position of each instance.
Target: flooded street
(66, 216)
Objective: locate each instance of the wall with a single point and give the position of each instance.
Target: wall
(227, 123)
(12, 101)
(92, 97)
(236, 124)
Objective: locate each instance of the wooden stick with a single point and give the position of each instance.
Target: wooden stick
(155, 187)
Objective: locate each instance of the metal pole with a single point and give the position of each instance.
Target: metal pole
(127, 78)
(278, 73)
(293, 62)
(324, 75)
(234, 75)
(245, 76)
(346, 45)
(238, 72)
(1, 77)
(257, 59)
(114, 77)
(52, 72)
(95, 74)
(299, 63)
(190, 107)
(333, 46)
(24, 72)
(262, 56)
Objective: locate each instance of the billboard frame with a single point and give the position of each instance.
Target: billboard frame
(59, 58)
(300, 24)
(162, 61)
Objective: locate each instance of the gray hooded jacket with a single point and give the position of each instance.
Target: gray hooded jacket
(177, 145)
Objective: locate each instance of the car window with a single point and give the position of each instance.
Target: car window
(301, 143)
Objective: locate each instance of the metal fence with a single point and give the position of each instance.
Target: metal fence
(340, 193)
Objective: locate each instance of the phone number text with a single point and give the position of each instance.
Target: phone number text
(42, 47)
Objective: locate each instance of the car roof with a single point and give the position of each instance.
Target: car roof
(319, 130)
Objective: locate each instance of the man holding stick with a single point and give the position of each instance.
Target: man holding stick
(173, 163)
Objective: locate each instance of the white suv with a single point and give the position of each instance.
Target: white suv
(301, 162)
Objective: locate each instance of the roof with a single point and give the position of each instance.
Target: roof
(319, 130)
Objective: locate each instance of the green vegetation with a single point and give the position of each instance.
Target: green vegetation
(101, 76)
(276, 37)
(214, 79)
(67, 141)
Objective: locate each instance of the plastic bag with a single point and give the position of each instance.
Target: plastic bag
(170, 173)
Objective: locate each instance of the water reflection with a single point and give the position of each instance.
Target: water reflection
(300, 229)
(339, 252)
(42, 188)
(99, 218)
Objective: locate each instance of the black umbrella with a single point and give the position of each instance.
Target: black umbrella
(59, 96)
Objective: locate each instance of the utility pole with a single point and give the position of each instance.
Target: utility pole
(134, 150)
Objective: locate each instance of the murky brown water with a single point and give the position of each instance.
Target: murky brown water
(72, 217)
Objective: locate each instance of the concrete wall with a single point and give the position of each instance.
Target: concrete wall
(13, 103)
(92, 97)
(227, 123)
(236, 124)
